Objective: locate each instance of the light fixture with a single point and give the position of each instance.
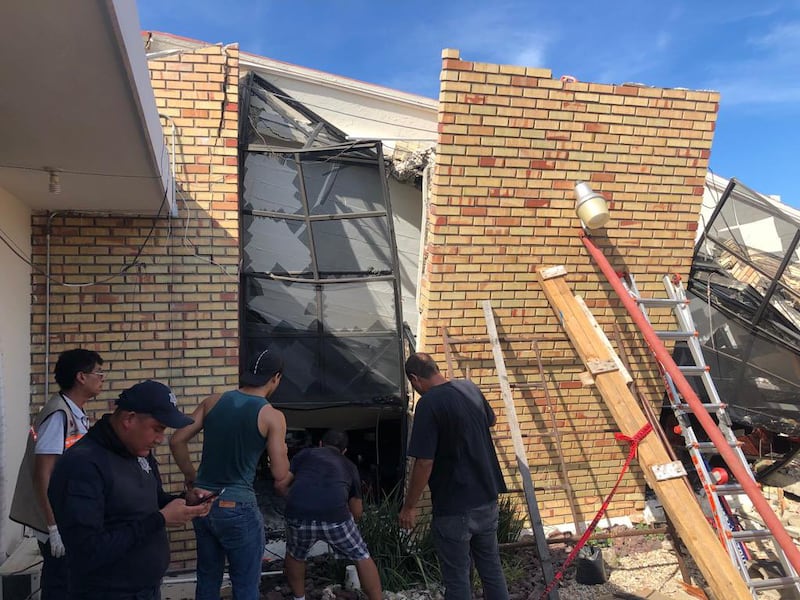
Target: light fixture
(54, 184)
(590, 206)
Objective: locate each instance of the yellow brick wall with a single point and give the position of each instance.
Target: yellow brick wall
(173, 316)
(512, 144)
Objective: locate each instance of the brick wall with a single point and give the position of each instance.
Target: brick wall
(512, 143)
(173, 316)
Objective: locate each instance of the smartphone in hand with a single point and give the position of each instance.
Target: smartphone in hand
(210, 498)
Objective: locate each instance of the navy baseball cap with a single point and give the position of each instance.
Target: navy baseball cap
(155, 399)
(263, 368)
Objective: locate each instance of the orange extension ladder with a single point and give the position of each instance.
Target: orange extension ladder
(684, 402)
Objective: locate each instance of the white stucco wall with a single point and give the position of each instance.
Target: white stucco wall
(407, 211)
(15, 356)
(359, 109)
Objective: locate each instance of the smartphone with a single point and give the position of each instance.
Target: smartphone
(210, 498)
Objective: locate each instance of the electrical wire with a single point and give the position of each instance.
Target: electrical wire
(195, 254)
(6, 239)
(73, 172)
(135, 262)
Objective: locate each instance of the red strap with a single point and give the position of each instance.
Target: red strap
(634, 442)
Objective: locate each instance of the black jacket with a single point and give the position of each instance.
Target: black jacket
(106, 503)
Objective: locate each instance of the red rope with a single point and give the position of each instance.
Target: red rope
(634, 442)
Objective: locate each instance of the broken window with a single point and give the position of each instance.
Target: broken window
(320, 283)
(319, 262)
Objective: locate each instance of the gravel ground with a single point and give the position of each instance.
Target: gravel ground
(633, 566)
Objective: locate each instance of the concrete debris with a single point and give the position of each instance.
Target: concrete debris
(409, 167)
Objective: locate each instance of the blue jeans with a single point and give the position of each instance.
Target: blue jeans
(459, 537)
(238, 534)
(54, 575)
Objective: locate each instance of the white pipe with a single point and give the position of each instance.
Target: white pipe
(47, 313)
(174, 208)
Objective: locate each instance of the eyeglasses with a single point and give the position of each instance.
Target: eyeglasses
(100, 374)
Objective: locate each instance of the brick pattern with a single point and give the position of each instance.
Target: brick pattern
(512, 143)
(173, 314)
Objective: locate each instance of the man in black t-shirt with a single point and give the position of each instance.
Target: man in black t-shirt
(454, 455)
(324, 498)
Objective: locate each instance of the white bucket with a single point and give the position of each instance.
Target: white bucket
(351, 581)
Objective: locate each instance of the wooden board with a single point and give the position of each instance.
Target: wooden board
(678, 500)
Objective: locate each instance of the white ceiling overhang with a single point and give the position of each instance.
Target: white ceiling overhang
(76, 98)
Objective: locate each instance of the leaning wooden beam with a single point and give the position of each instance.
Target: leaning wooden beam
(678, 501)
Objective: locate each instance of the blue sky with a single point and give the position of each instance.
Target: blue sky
(747, 50)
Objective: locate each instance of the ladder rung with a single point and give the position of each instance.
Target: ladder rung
(775, 583)
(709, 447)
(693, 369)
(552, 433)
(751, 535)
(729, 489)
(514, 386)
(710, 407)
(660, 301)
(549, 488)
(676, 335)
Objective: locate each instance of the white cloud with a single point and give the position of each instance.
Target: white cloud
(532, 55)
(769, 76)
(482, 34)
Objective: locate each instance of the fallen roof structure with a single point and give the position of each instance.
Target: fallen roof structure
(745, 297)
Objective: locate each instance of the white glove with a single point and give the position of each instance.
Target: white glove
(56, 545)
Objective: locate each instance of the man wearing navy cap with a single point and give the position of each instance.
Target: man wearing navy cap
(238, 425)
(108, 500)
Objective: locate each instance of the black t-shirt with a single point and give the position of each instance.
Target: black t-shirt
(451, 426)
(324, 482)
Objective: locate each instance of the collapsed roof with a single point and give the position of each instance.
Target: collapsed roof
(745, 299)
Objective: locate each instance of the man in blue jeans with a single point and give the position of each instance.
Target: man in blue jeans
(238, 426)
(454, 455)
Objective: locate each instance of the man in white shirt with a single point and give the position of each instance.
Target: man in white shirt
(60, 423)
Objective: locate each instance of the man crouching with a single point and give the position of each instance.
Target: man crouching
(323, 500)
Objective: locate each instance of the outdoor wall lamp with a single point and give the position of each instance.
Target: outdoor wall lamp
(54, 185)
(590, 206)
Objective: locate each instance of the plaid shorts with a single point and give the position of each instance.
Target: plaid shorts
(344, 537)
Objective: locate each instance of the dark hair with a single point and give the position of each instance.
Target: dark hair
(421, 365)
(72, 362)
(263, 367)
(337, 439)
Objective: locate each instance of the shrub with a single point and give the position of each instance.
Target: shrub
(404, 559)
(509, 522)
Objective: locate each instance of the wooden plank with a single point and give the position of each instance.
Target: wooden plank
(678, 501)
(542, 549)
